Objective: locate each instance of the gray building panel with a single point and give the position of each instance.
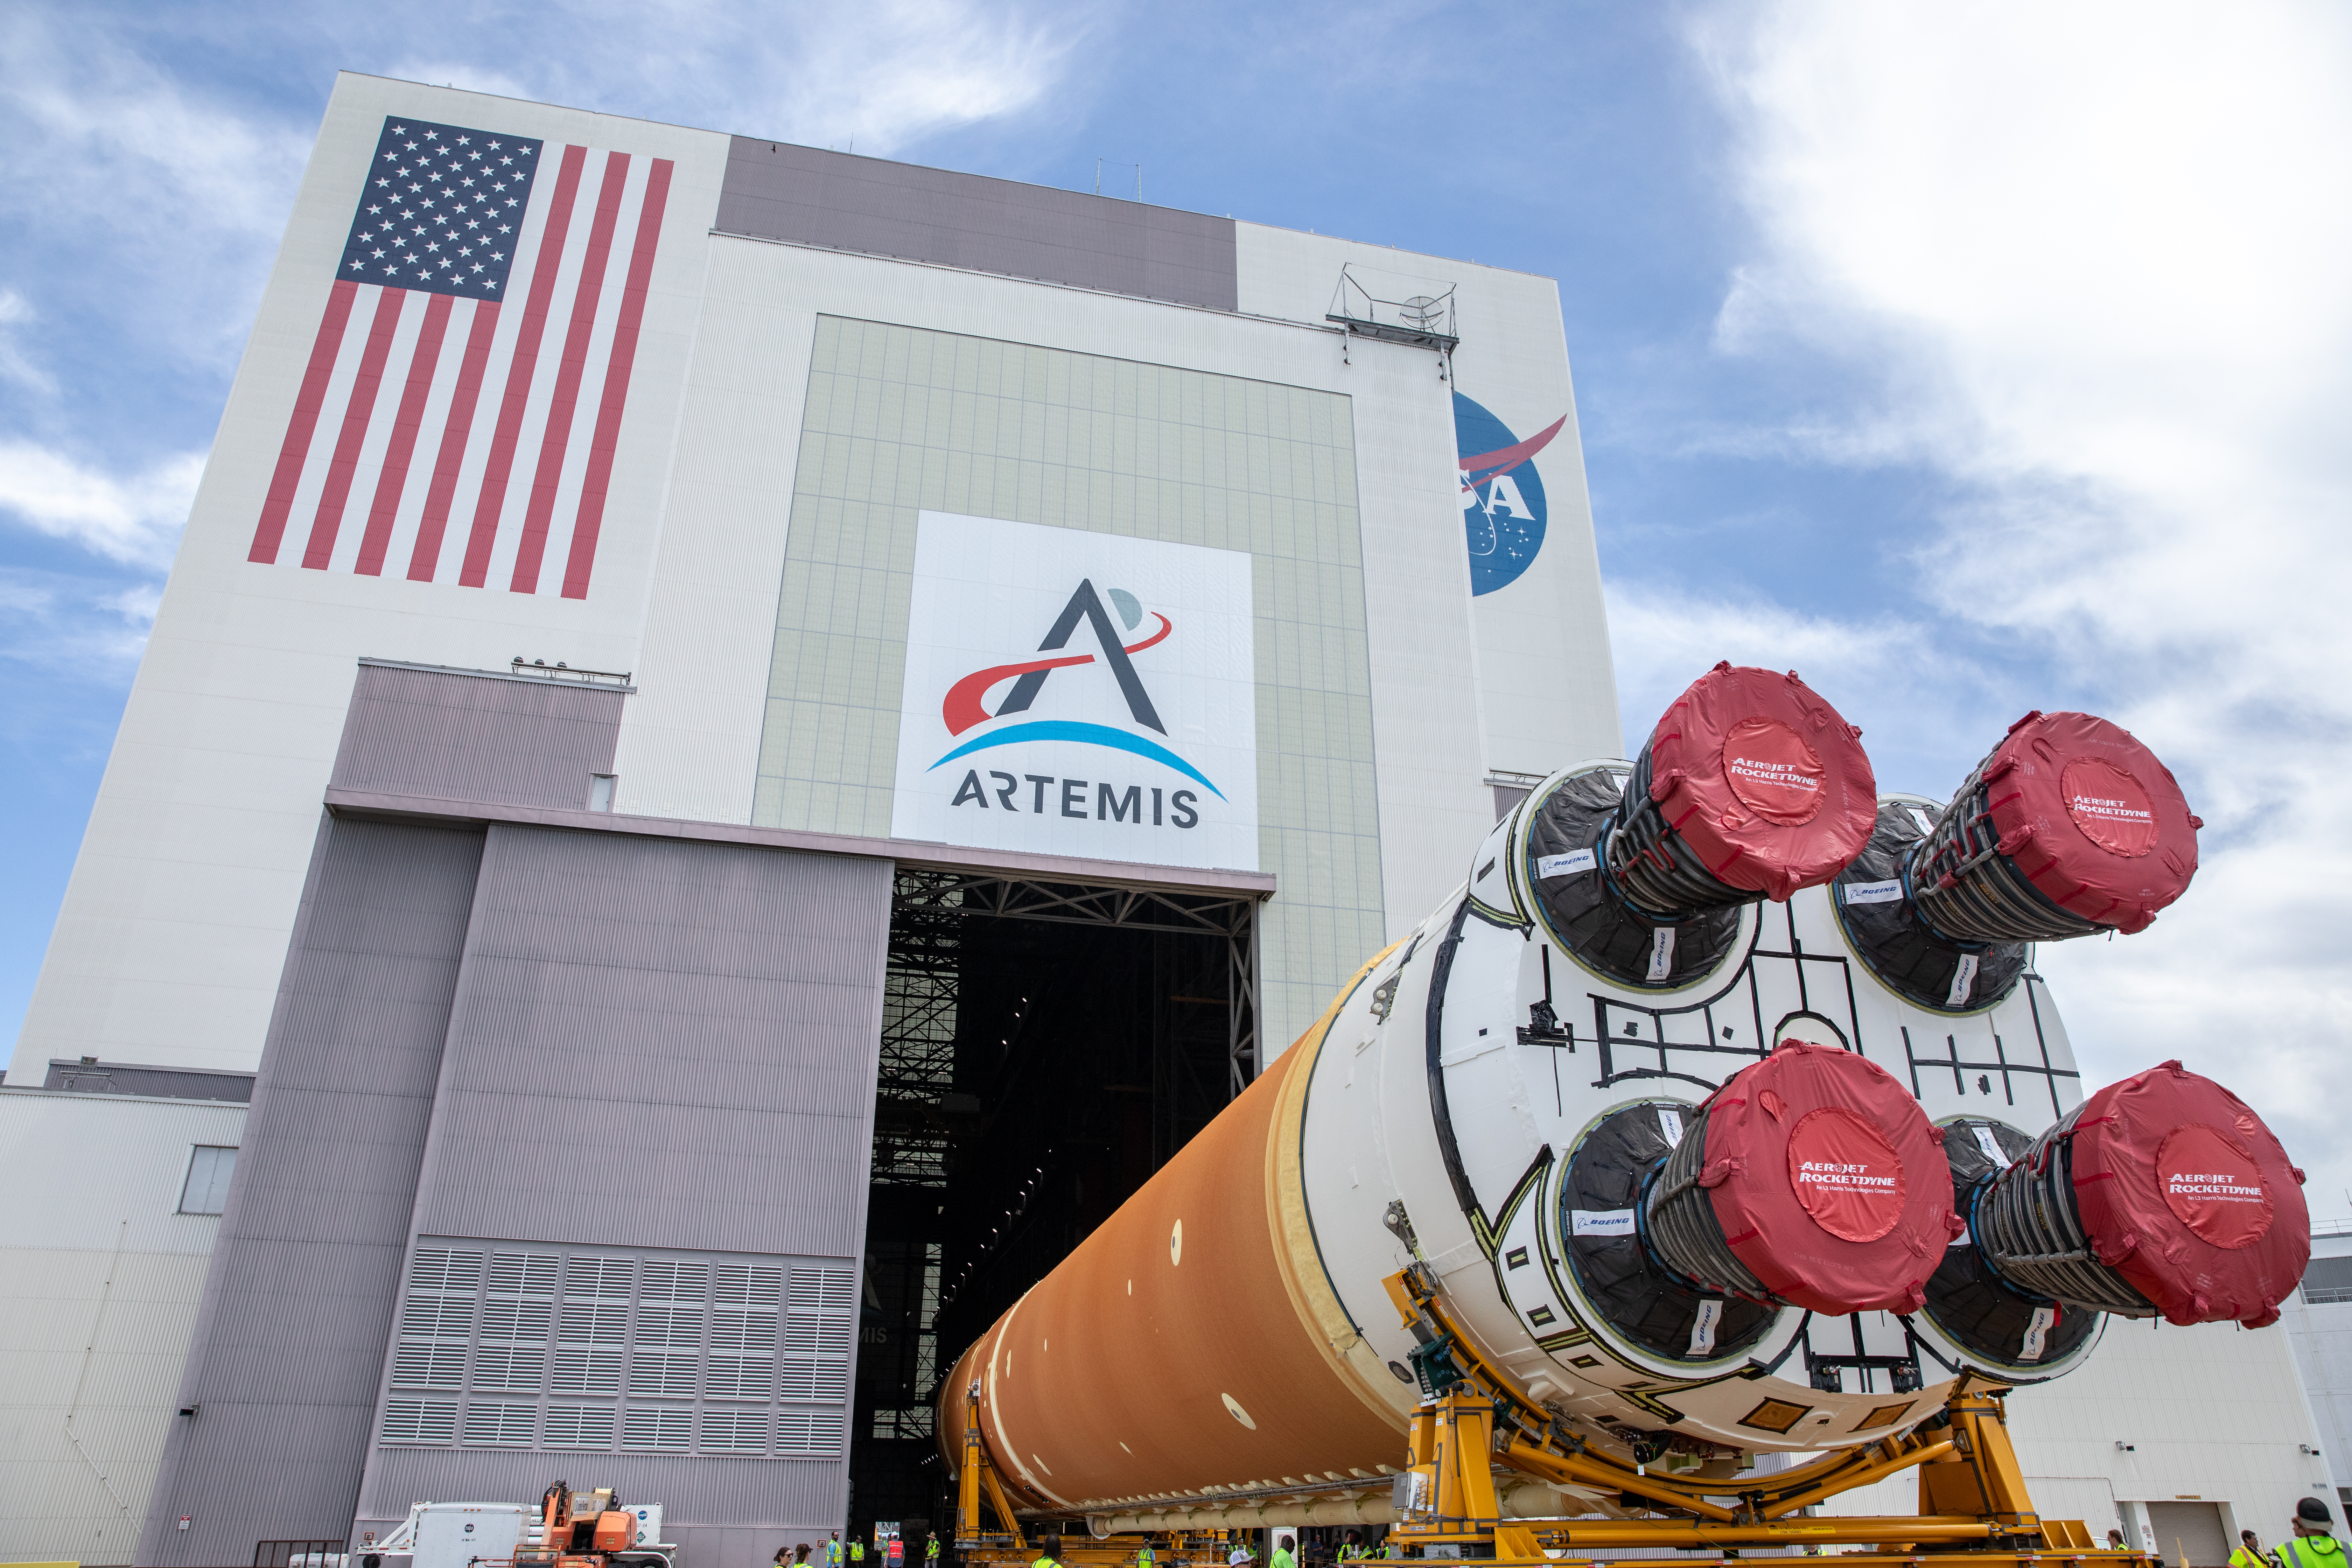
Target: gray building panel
(290, 1337)
(775, 190)
(488, 737)
(657, 1045)
(719, 1006)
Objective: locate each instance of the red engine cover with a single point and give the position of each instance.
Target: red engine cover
(2185, 1193)
(1829, 1181)
(1763, 779)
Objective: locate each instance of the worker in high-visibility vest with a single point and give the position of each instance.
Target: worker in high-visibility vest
(1045, 1555)
(1144, 1557)
(832, 1550)
(2249, 1553)
(2314, 1544)
(931, 1549)
(1282, 1553)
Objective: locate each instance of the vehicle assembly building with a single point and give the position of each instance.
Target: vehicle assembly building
(752, 762)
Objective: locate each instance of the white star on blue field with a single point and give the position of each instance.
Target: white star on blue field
(1966, 360)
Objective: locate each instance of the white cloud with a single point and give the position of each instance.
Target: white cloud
(135, 519)
(885, 74)
(14, 363)
(2093, 261)
(73, 628)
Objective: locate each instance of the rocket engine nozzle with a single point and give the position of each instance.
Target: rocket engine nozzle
(1751, 787)
(2069, 826)
(2160, 1194)
(1811, 1177)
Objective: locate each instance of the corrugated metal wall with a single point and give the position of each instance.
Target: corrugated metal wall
(486, 737)
(663, 1045)
(288, 1346)
(775, 190)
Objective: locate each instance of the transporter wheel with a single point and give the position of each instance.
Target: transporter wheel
(1637, 1296)
(1969, 1302)
(1898, 947)
(1591, 923)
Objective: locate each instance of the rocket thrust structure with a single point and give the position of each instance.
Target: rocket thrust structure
(1724, 1108)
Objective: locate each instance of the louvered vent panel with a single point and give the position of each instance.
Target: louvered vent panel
(662, 1373)
(515, 1369)
(738, 1377)
(524, 1273)
(574, 1371)
(598, 1276)
(500, 1424)
(419, 1421)
(657, 1429)
(734, 1432)
(577, 1426)
(428, 1366)
(809, 1433)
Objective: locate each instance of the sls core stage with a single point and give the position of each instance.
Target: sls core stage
(1662, 1124)
(830, 845)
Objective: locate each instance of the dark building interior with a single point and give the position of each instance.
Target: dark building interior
(1045, 1048)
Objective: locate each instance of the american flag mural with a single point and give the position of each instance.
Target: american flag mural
(457, 416)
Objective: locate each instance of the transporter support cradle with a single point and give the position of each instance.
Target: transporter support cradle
(1475, 1424)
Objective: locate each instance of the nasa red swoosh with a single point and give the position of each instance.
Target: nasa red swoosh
(962, 709)
(1484, 466)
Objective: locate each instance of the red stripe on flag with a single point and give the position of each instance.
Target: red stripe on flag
(616, 384)
(279, 500)
(405, 425)
(566, 399)
(356, 415)
(519, 371)
(451, 457)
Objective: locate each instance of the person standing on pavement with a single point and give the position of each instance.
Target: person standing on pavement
(2314, 1544)
(833, 1550)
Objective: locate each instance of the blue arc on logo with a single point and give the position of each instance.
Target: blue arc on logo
(1091, 735)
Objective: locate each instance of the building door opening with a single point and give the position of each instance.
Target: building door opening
(1045, 1048)
(2190, 1534)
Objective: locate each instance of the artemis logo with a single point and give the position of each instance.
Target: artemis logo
(964, 708)
(1069, 692)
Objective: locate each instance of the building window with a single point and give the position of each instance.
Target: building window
(206, 1191)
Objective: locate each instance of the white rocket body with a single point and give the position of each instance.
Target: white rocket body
(1478, 1172)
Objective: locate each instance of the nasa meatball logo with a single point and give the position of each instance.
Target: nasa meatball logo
(1070, 692)
(1503, 506)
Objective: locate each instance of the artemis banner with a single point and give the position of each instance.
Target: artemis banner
(1075, 693)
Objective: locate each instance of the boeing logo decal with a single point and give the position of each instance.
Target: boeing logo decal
(965, 707)
(1503, 507)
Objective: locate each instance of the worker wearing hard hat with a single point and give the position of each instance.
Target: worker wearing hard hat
(2314, 1544)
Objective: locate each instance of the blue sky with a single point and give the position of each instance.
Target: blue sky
(1968, 360)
